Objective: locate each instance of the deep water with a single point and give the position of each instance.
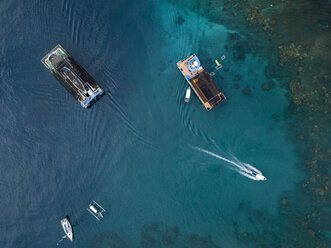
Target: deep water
(133, 150)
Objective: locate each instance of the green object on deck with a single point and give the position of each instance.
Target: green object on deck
(49, 64)
(61, 53)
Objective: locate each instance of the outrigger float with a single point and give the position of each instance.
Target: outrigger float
(201, 82)
(72, 76)
(96, 210)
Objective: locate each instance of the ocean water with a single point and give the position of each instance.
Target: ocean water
(133, 151)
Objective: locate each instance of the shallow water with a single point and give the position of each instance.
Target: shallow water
(132, 151)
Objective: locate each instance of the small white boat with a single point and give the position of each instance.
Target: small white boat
(96, 210)
(67, 228)
(188, 94)
(258, 175)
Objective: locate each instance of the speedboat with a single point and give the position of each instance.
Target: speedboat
(261, 177)
(67, 228)
(188, 94)
(96, 210)
(258, 176)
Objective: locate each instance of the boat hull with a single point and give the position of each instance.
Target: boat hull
(67, 229)
(72, 76)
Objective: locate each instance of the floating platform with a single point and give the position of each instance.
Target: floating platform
(201, 82)
(72, 76)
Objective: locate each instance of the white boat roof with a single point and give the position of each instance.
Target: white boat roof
(188, 93)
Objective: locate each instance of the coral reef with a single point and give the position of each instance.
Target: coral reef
(291, 51)
(255, 17)
(108, 239)
(295, 38)
(160, 235)
(267, 86)
(179, 20)
(246, 91)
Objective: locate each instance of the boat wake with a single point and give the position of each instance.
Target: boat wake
(64, 237)
(244, 169)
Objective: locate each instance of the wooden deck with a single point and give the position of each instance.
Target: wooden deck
(202, 84)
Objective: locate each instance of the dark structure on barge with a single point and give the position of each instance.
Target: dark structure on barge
(201, 82)
(72, 76)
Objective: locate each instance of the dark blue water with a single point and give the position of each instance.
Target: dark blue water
(133, 150)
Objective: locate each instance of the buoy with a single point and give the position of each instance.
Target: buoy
(218, 65)
(223, 57)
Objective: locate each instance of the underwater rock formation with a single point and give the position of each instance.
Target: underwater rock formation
(255, 17)
(291, 51)
(159, 235)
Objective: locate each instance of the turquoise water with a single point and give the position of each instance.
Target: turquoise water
(133, 150)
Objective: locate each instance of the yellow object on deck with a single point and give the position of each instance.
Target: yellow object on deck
(217, 63)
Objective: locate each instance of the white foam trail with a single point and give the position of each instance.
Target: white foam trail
(61, 239)
(244, 169)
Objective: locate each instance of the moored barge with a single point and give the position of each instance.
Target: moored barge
(201, 82)
(72, 76)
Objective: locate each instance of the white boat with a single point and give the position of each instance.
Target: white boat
(96, 210)
(188, 94)
(260, 177)
(257, 175)
(67, 228)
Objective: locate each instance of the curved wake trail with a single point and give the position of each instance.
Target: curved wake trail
(64, 237)
(244, 169)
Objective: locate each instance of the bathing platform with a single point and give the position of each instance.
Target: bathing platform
(72, 76)
(201, 82)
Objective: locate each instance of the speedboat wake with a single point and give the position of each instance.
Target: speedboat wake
(244, 169)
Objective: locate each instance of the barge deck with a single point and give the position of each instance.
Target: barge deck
(72, 76)
(201, 82)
